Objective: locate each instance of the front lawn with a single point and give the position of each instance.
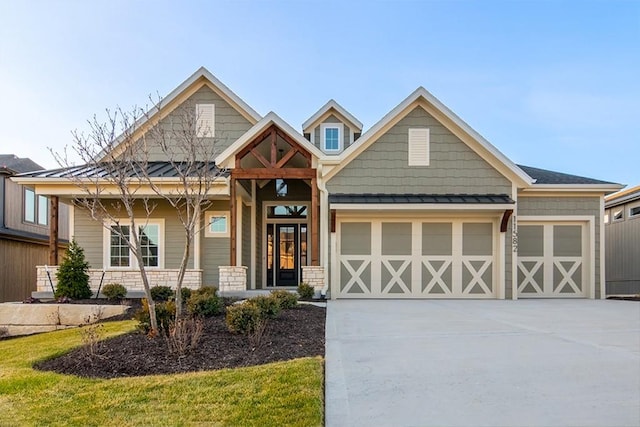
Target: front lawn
(282, 393)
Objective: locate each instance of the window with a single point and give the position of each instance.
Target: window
(151, 243)
(217, 224)
(281, 188)
(418, 147)
(282, 211)
(331, 136)
(119, 248)
(618, 215)
(634, 210)
(205, 120)
(36, 209)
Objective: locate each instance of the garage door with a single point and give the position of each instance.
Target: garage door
(416, 259)
(552, 260)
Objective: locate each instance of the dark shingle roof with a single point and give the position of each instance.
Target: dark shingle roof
(154, 169)
(543, 176)
(18, 164)
(420, 198)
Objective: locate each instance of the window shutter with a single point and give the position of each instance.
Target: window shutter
(205, 120)
(418, 147)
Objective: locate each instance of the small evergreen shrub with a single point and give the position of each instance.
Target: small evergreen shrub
(204, 302)
(114, 291)
(162, 293)
(267, 306)
(286, 299)
(72, 275)
(305, 291)
(243, 318)
(165, 314)
(185, 293)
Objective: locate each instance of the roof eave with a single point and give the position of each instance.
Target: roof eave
(328, 106)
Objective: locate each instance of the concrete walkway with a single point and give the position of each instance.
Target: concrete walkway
(483, 363)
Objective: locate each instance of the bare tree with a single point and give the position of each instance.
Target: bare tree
(134, 160)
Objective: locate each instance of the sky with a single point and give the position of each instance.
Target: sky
(551, 84)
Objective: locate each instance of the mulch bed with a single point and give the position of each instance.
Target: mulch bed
(297, 332)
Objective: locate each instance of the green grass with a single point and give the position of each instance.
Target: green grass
(283, 393)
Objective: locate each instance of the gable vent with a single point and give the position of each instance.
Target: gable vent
(205, 120)
(418, 147)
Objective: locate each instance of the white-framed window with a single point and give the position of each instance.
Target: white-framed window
(119, 255)
(418, 151)
(617, 214)
(217, 224)
(634, 210)
(35, 208)
(205, 120)
(331, 136)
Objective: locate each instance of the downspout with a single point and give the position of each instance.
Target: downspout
(324, 230)
(2, 200)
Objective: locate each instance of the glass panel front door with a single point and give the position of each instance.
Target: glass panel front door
(286, 250)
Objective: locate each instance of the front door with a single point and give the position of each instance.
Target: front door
(285, 252)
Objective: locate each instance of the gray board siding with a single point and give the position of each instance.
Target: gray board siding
(622, 251)
(229, 123)
(215, 250)
(90, 236)
(14, 211)
(454, 167)
(566, 206)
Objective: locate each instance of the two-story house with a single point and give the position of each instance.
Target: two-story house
(24, 230)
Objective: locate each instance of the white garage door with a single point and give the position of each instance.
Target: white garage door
(552, 260)
(416, 258)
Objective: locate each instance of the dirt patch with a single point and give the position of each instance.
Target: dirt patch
(298, 332)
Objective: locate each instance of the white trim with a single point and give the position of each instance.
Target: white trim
(72, 221)
(133, 263)
(501, 264)
(334, 285)
(208, 215)
(331, 104)
(323, 137)
(196, 239)
(573, 187)
(421, 207)
(614, 214)
(633, 205)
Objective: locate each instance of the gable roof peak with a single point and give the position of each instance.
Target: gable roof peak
(332, 104)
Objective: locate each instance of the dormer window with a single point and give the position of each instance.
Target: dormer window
(331, 136)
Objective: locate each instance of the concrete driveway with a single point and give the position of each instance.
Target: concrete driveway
(483, 363)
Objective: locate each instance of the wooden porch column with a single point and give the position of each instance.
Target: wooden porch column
(53, 230)
(232, 221)
(314, 222)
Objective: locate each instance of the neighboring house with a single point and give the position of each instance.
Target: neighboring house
(24, 230)
(418, 206)
(622, 237)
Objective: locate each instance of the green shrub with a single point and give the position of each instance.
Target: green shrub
(243, 318)
(72, 275)
(204, 302)
(165, 314)
(185, 293)
(114, 291)
(286, 299)
(162, 293)
(268, 306)
(305, 291)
